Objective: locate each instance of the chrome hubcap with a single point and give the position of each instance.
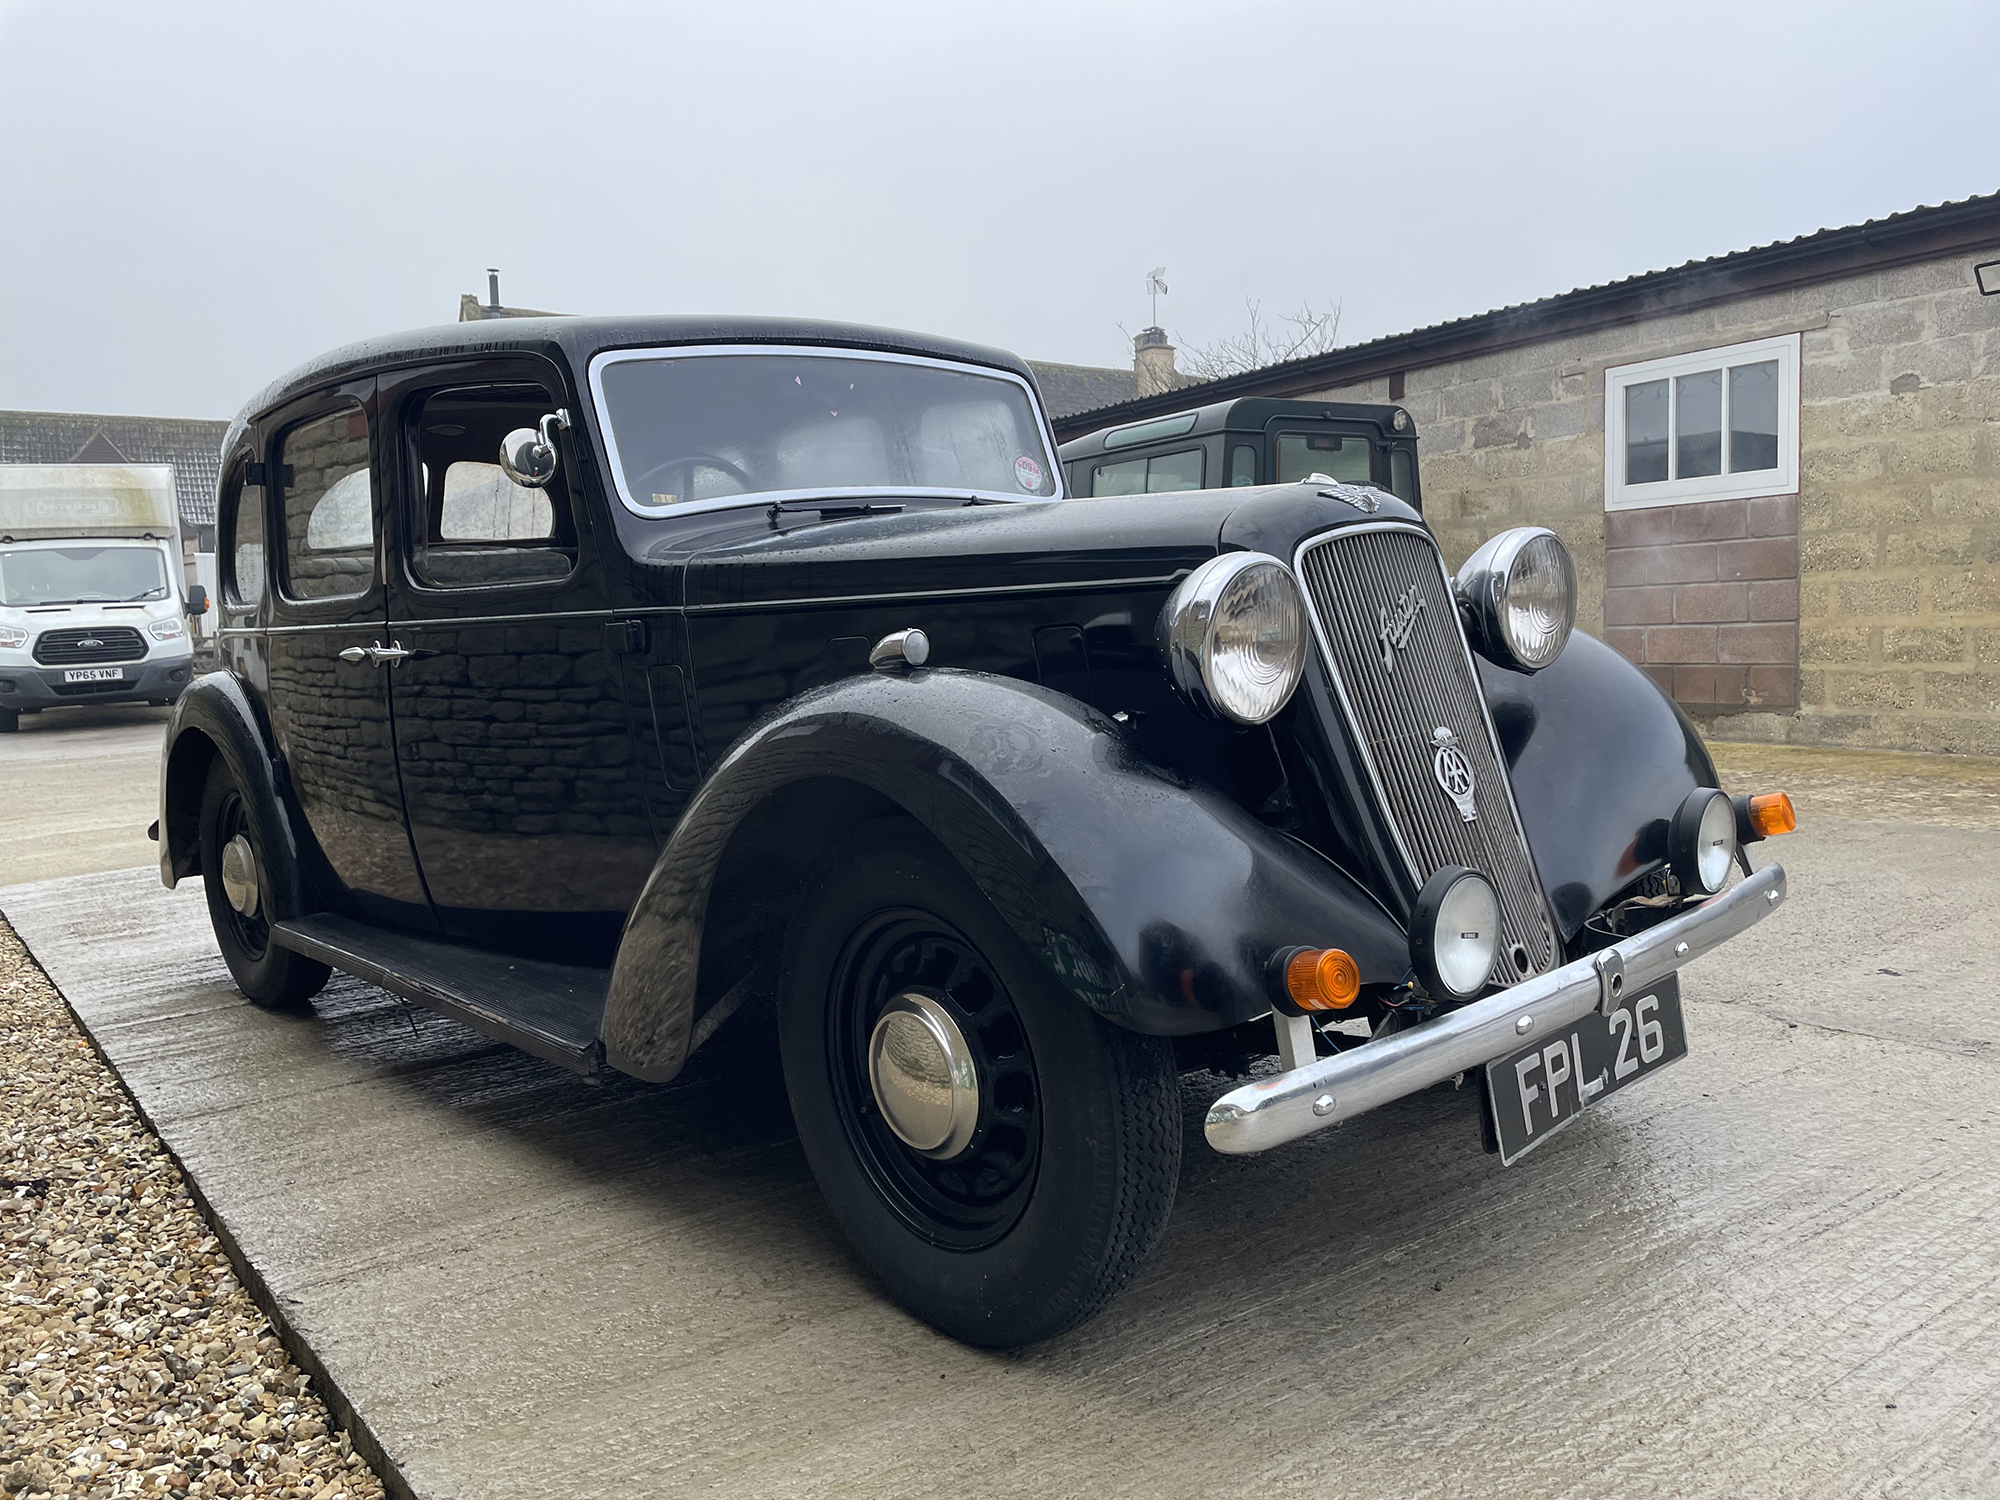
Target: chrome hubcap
(239, 875)
(923, 1078)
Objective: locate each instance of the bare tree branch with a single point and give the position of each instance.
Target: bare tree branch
(1297, 335)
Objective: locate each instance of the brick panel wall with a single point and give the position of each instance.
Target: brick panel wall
(1705, 597)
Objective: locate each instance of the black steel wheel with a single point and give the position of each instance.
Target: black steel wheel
(975, 1194)
(233, 874)
(1001, 1157)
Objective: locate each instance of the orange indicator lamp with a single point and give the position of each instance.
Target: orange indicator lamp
(1322, 979)
(1771, 814)
(1763, 817)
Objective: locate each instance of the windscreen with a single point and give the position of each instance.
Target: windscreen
(704, 428)
(81, 575)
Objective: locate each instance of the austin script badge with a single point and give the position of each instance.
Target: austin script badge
(1453, 772)
(1396, 621)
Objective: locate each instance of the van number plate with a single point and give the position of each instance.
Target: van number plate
(1537, 1091)
(94, 674)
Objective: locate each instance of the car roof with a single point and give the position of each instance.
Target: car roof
(581, 338)
(1245, 414)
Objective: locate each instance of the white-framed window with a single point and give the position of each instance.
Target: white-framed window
(1722, 424)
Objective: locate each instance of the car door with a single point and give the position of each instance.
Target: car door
(523, 780)
(328, 686)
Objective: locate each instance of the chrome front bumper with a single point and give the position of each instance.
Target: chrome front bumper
(1322, 1093)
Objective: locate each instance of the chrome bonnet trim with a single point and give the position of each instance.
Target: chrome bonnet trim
(1268, 1113)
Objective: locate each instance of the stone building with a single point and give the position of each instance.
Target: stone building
(1072, 388)
(1778, 470)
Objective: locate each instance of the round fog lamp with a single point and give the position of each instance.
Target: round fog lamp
(1702, 841)
(1455, 932)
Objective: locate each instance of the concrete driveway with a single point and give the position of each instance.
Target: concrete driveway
(77, 788)
(1770, 1271)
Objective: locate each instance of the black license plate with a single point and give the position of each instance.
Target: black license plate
(1537, 1091)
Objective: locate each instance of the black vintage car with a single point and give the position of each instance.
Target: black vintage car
(1248, 441)
(587, 677)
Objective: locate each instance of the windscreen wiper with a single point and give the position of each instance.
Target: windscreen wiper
(834, 508)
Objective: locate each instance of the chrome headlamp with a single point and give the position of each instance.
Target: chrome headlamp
(1518, 595)
(1233, 636)
(1701, 841)
(1455, 933)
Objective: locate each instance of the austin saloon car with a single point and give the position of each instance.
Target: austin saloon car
(587, 679)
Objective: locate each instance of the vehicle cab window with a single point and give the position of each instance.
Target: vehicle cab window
(1403, 474)
(329, 510)
(1158, 474)
(243, 538)
(474, 526)
(1346, 457)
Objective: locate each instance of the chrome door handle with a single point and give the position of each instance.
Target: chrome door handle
(377, 655)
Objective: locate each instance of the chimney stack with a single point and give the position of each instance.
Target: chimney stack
(1153, 361)
(493, 287)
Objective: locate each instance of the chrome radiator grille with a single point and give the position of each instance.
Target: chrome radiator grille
(1390, 632)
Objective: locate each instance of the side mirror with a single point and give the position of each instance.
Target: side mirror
(197, 602)
(528, 454)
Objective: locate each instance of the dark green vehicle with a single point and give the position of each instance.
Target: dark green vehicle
(1250, 441)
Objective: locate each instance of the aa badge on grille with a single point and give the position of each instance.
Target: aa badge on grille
(1453, 772)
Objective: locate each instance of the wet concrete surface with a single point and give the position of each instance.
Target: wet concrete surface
(77, 788)
(1773, 1270)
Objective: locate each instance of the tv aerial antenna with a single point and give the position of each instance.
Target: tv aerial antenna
(1156, 288)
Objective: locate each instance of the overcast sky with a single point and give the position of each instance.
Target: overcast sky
(199, 196)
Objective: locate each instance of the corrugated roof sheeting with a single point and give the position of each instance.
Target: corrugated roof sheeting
(1800, 260)
(192, 446)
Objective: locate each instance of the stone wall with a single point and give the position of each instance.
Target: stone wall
(1897, 511)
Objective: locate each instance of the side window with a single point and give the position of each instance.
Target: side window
(475, 526)
(1242, 465)
(1157, 475)
(329, 511)
(243, 538)
(1348, 459)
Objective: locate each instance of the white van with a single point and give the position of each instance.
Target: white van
(91, 603)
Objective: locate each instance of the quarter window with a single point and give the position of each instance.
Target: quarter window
(1718, 425)
(1347, 458)
(1242, 465)
(243, 509)
(1162, 473)
(329, 511)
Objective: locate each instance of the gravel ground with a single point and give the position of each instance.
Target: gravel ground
(131, 1361)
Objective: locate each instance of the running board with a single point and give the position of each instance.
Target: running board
(550, 1010)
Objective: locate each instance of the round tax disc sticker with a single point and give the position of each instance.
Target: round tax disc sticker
(1028, 473)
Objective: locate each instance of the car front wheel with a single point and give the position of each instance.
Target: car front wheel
(1002, 1158)
(233, 869)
